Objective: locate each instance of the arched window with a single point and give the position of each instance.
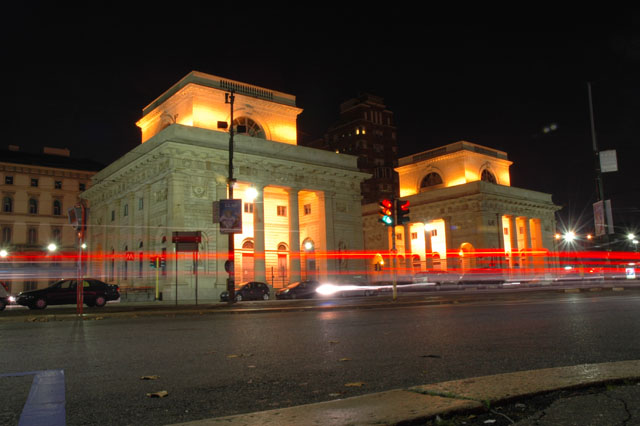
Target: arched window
(248, 245)
(253, 128)
(57, 207)
(431, 179)
(7, 204)
(487, 176)
(33, 206)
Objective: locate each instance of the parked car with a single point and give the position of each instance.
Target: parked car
(63, 292)
(252, 290)
(299, 290)
(4, 295)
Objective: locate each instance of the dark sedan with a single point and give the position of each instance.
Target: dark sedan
(63, 292)
(299, 290)
(253, 290)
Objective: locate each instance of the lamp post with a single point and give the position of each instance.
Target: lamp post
(231, 287)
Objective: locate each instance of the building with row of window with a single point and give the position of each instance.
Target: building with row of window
(36, 191)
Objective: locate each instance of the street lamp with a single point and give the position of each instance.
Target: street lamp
(52, 247)
(4, 253)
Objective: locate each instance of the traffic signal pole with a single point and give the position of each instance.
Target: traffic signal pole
(394, 252)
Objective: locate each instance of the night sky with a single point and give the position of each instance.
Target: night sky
(79, 78)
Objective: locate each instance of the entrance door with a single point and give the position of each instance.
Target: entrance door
(247, 267)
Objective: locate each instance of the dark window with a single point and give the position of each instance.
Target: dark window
(487, 176)
(56, 235)
(58, 184)
(113, 215)
(248, 207)
(32, 236)
(6, 235)
(8, 180)
(126, 210)
(82, 187)
(57, 207)
(140, 203)
(7, 204)
(282, 210)
(33, 206)
(307, 209)
(34, 182)
(432, 179)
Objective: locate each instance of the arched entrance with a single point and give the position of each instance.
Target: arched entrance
(467, 258)
(283, 262)
(247, 260)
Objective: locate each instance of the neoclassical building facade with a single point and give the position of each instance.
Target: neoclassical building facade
(301, 208)
(463, 213)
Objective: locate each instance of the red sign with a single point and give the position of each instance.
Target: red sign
(129, 255)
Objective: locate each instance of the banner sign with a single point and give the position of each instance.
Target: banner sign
(230, 216)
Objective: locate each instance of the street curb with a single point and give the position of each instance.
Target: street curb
(420, 403)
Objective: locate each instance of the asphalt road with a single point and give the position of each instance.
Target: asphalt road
(220, 364)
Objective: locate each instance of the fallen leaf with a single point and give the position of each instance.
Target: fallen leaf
(490, 421)
(251, 366)
(335, 394)
(159, 394)
(233, 356)
(149, 377)
(334, 341)
(344, 359)
(354, 384)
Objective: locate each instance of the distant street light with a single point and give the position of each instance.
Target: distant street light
(4, 253)
(569, 236)
(52, 247)
(631, 237)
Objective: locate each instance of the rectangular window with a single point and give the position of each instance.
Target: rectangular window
(82, 187)
(140, 203)
(32, 236)
(57, 184)
(34, 182)
(414, 235)
(398, 236)
(248, 207)
(8, 180)
(307, 209)
(282, 210)
(434, 232)
(113, 215)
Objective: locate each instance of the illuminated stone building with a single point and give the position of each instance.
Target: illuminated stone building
(461, 203)
(36, 192)
(366, 129)
(299, 203)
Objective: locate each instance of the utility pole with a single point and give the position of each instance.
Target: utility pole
(599, 185)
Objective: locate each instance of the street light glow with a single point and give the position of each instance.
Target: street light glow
(252, 193)
(631, 237)
(52, 247)
(569, 236)
(4, 253)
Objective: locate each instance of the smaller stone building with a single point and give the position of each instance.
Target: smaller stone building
(36, 190)
(464, 214)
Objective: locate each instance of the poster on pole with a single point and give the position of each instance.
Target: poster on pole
(608, 161)
(598, 218)
(230, 216)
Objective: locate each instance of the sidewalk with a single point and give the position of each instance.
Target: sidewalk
(589, 394)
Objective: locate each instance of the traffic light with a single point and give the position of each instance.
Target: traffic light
(152, 262)
(402, 212)
(386, 212)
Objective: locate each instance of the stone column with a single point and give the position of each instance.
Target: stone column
(329, 231)
(259, 264)
(428, 250)
(294, 236)
(513, 228)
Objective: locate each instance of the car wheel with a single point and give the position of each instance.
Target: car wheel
(238, 298)
(40, 303)
(265, 296)
(100, 301)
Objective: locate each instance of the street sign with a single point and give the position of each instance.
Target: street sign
(186, 240)
(608, 161)
(129, 255)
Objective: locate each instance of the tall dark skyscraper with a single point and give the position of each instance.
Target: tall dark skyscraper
(366, 129)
